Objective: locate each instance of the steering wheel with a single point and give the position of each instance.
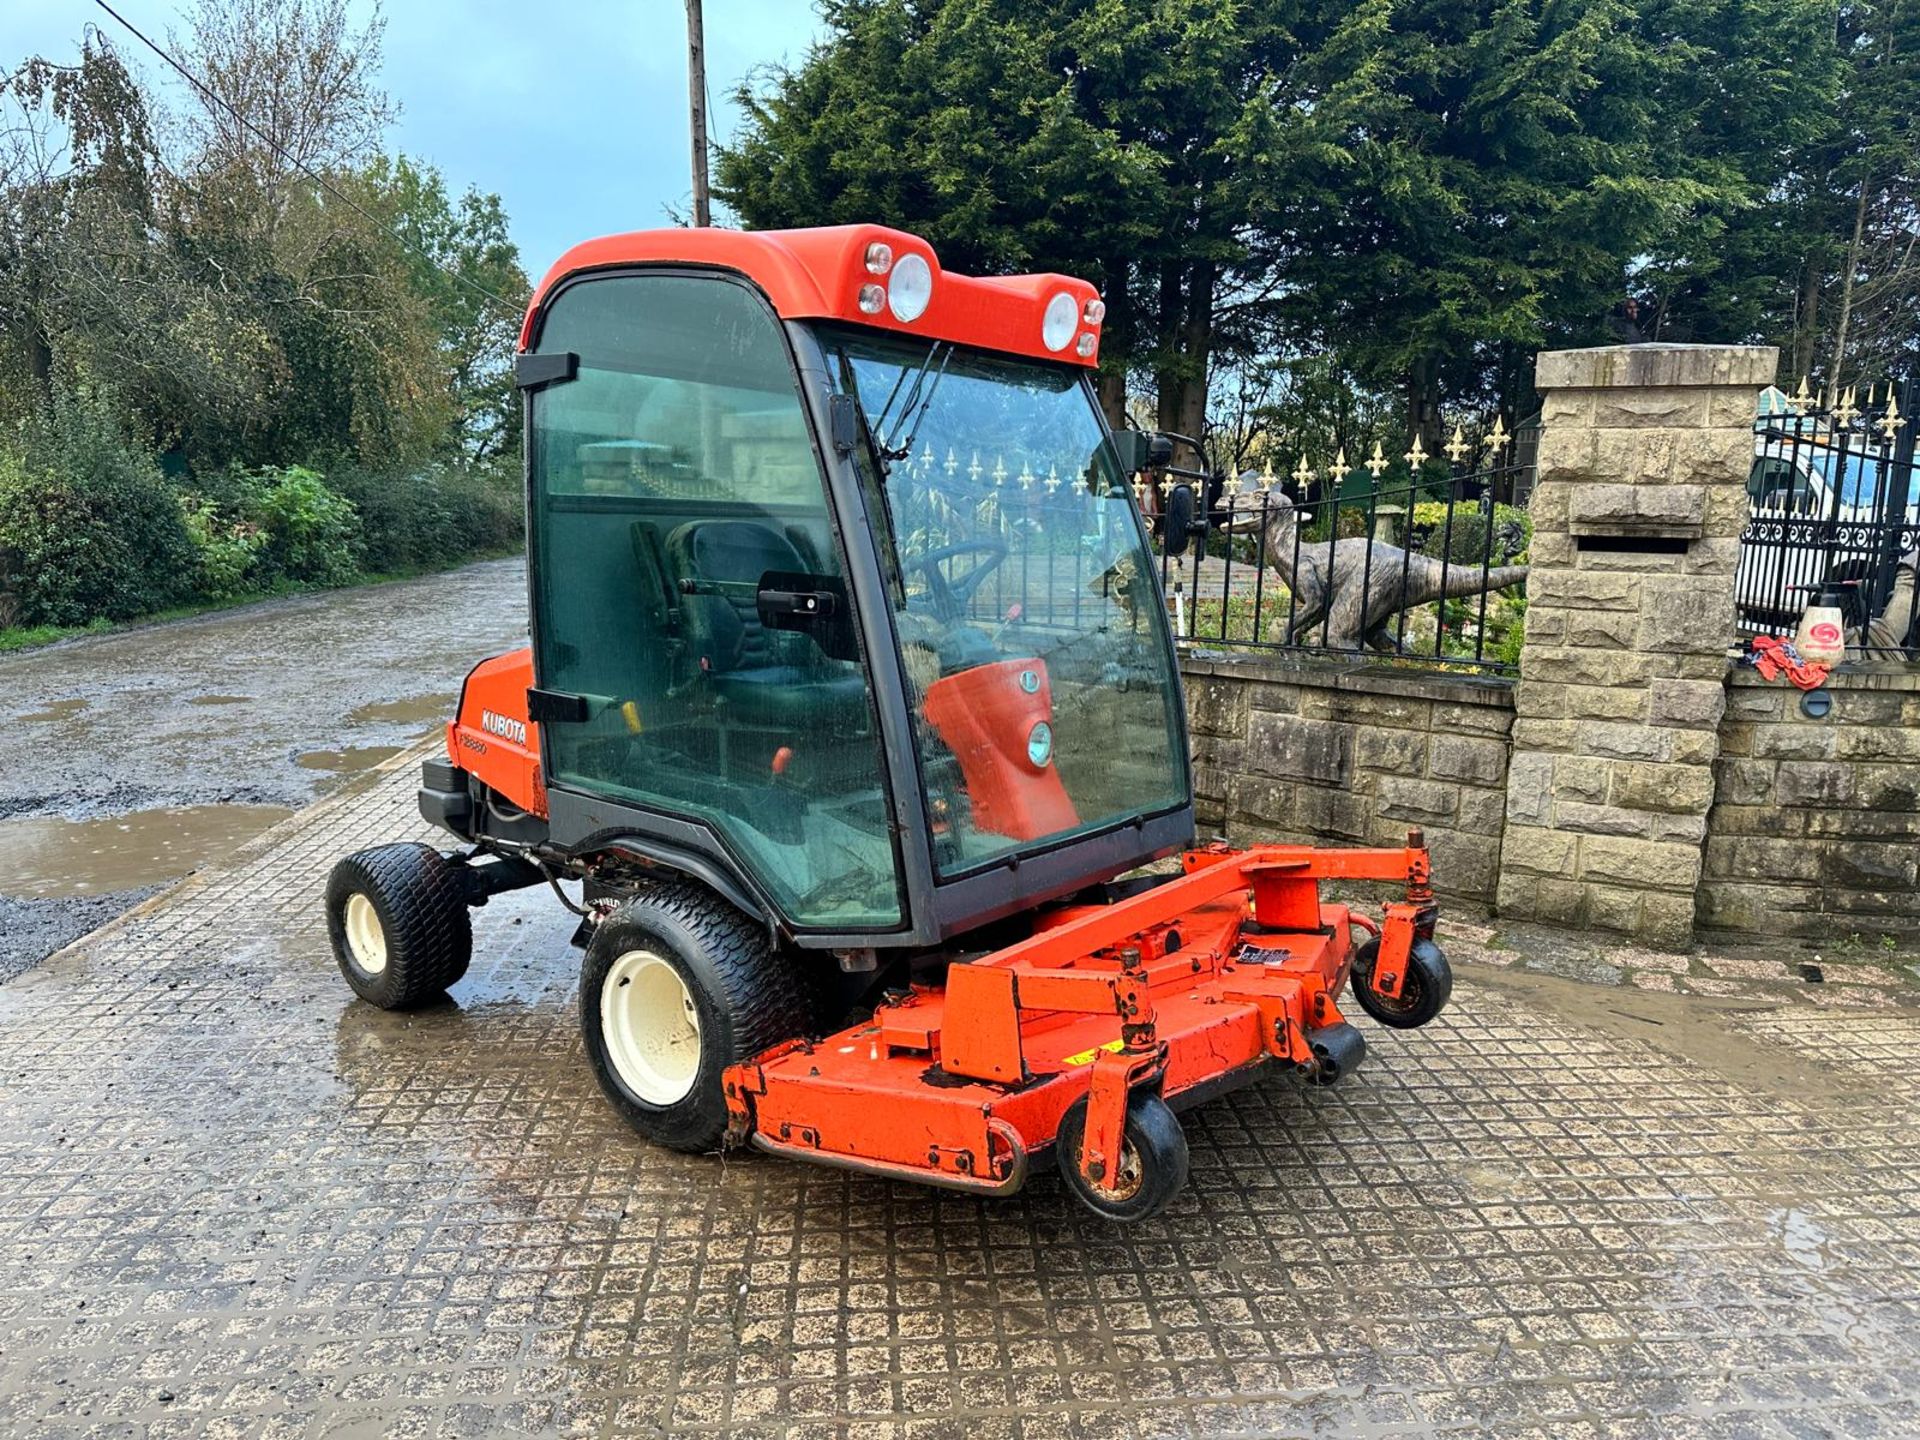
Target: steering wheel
(949, 597)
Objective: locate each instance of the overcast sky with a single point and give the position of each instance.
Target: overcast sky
(574, 111)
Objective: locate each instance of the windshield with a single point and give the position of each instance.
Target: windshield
(1031, 630)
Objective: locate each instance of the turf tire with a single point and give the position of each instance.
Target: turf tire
(419, 907)
(749, 998)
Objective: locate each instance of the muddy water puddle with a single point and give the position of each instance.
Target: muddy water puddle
(422, 710)
(48, 857)
(56, 710)
(353, 760)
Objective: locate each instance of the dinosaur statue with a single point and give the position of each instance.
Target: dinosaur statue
(1329, 580)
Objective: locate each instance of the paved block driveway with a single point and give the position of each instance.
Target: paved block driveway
(234, 1203)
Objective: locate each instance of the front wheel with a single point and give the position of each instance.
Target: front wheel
(1423, 992)
(1153, 1160)
(676, 986)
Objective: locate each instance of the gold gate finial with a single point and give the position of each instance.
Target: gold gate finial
(1801, 401)
(1303, 473)
(1376, 463)
(1416, 455)
(1457, 448)
(1891, 421)
(1497, 437)
(1846, 410)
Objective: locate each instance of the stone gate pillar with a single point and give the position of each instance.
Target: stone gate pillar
(1637, 511)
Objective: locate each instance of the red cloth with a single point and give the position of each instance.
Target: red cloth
(1774, 657)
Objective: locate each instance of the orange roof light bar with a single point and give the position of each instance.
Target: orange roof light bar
(866, 275)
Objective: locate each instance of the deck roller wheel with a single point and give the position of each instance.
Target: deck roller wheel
(1337, 1053)
(1153, 1161)
(1423, 993)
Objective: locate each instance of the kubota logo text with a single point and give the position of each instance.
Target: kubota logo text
(504, 726)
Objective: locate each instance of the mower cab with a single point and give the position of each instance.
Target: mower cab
(848, 660)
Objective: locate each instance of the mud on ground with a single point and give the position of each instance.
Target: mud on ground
(140, 756)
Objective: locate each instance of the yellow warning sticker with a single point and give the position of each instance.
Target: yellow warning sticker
(1085, 1057)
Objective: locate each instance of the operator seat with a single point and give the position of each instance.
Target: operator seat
(775, 678)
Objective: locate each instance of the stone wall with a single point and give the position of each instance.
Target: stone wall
(1815, 830)
(1814, 826)
(1632, 781)
(1288, 749)
(1637, 511)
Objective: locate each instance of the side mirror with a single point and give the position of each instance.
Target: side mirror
(1177, 526)
(1130, 447)
(1142, 450)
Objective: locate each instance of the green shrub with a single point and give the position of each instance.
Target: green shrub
(425, 519)
(1514, 639)
(1466, 543)
(312, 532)
(228, 548)
(276, 526)
(89, 527)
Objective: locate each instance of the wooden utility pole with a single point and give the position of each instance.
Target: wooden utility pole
(697, 112)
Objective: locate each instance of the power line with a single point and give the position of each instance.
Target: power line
(507, 307)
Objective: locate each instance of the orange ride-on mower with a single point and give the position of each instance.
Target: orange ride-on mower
(850, 698)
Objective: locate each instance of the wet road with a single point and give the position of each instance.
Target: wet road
(132, 758)
(235, 1201)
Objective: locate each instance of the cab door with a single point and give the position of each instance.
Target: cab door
(691, 613)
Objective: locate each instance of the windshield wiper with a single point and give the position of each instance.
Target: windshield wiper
(910, 415)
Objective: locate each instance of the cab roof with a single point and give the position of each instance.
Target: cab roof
(818, 275)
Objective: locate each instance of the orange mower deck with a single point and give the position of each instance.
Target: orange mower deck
(1185, 991)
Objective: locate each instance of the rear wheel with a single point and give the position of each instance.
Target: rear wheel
(1423, 992)
(1153, 1160)
(397, 917)
(676, 986)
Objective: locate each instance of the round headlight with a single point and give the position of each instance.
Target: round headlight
(1085, 348)
(1095, 312)
(1040, 744)
(910, 287)
(872, 297)
(1057, 326)
(879, 257)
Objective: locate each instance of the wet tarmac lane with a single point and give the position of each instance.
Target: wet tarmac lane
(139, 756)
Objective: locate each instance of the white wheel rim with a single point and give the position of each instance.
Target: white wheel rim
(365, 938)
(651, 1027)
